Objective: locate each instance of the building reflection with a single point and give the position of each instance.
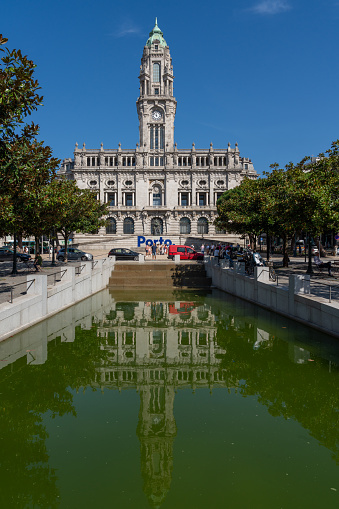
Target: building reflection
(158, 348)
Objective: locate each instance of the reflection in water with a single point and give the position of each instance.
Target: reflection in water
(156, 347)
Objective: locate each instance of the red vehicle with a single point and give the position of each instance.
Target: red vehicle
(185, 252)
(184, 308)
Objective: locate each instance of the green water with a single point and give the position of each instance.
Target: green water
(173, 400)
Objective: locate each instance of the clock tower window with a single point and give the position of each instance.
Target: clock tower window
(157, 137)
(156, 72)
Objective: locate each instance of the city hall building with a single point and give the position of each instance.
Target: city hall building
(157, 189)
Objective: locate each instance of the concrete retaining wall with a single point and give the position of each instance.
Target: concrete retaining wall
(42, 301)
(293, 301)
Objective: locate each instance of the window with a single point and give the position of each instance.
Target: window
(185, 225)
(184, 199)
(129, 199)
(111, 226)
(156, 161)
(128, 183)
(162, 136)
(156, 91)
(93, 183)
(246, 166)
(220, 183)
(111, 183)
(156, 46)
(156, 73)
(157, 226)
(184, 182)
(128, 225)
(156, 196)
(110, 199)
(156, 138)
(152, 138)
(202, 199)
(202, 225)
(202, 183)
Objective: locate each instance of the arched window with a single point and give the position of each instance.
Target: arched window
(157, 226)
(156, 72)
(185, 225)
(128, 225)
(111, 226)
(156, 196)
(202, 225)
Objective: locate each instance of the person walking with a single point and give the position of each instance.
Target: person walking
(216, 254)
(154, 251)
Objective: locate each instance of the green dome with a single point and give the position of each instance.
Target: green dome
(156, 36)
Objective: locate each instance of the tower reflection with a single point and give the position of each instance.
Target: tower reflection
(159, 347)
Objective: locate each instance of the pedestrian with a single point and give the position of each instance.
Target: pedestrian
(202, 248)
(216, 253)
(37, 262)
(154, 251)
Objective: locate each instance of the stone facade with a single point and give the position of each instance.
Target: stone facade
(156, 188)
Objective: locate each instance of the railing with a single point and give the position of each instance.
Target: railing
(60, 273)
(330, 292)
(79, 269)
(11, 288)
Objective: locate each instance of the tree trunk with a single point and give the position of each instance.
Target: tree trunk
(20, 241)
(268, 246)
(293, 246)
(37, 248)
(309, 267)
(14, 268)
(322, 251)
(285, 253)
(66, 237)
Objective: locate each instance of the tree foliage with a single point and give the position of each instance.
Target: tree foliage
(302, 197)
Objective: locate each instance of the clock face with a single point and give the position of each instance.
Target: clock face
(156, 115)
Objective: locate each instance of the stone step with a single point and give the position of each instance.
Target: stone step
(159, 275)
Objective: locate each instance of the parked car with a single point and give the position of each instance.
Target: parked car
(73, 254)
(185, 252)
(122, 253)
(7, 254)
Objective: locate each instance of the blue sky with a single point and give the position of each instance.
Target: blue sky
(263, 73)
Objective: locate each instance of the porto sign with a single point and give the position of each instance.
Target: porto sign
(150, 242)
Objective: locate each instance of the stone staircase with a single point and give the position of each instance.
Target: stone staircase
(158, 275)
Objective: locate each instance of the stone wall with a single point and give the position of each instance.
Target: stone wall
(43, 300)
(293, 301)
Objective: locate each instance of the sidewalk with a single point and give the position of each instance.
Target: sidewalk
(7, 280)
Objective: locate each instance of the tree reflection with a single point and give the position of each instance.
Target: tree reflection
(27, 393)
(289, 387)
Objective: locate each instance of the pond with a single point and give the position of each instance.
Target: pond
(172, 400)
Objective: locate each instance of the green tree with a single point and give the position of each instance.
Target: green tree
(74, 209)
(25, 163)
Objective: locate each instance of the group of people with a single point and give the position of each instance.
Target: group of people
(220, 250)
(156, 249)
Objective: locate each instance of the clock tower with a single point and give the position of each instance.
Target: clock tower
(156, 105)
